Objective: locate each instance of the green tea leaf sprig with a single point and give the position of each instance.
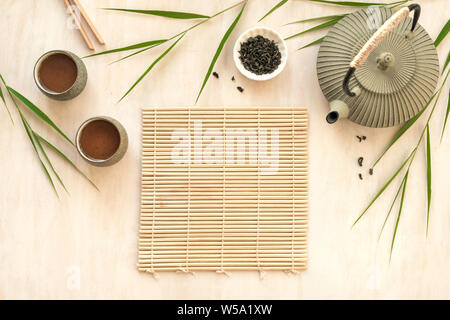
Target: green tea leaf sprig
(147, 45)
(425, 133)
(219, 49)
(318, 27)
(4, 101)
(331, 20)
(442, 34)
(277, 6)
(151, 66)
(36, 140)
(162, 13)
(446, 116)
(358, 3)
(338, 3)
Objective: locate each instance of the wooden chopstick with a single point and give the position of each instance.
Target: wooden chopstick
(80, 27)
(89, 22)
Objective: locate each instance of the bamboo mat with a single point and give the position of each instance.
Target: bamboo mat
(224, 189)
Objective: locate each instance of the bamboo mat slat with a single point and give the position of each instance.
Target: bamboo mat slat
(224, 189)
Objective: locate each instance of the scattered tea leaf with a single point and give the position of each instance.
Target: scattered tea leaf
(318, 27)
(442, 34)
(399, 211)
(360, 161)
(151, 67)
(277, 6)
(219, 49)
(428, 176)
(162, 13)
(38, 112)
(216, 75)
(240, 89)
(360, 176)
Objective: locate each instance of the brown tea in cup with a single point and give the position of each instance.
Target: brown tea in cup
(99, 139)
(57, 72)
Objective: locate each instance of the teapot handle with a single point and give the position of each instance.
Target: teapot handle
(376, 38)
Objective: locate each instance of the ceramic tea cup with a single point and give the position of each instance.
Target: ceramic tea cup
(266, 33)
(102, 141)
(60, 75)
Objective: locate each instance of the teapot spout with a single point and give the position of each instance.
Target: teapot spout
(332, 117)
(338, 109)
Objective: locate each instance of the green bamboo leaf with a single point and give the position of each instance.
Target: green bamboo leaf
(320, 26)
(446, 115)
(151, 67)
(62, 155)
(355, 3)
(38, 143)
(399, 212)
(396, 4)
(446, 63)
(3, 99)
(403, 129)
(134, 53)
(162, 13)
(38, 112)
(219, 49)
(390, 209)
(428, 176)
(411, 121)
(442, 34)
(150, 44)
(213, 16)
(277, 6)
(132, 47)
(30, 136)
(4, 103)
(384, 187)
(316, 19)
(312, 43)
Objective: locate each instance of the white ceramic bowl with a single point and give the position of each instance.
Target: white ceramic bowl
(269, 34)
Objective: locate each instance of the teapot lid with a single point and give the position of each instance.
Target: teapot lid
(397, 79)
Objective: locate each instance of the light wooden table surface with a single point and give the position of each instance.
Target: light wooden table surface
(47, 244)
